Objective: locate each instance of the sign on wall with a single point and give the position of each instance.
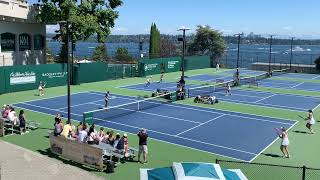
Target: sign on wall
(24, 42)
(22, 77)
(8, 42)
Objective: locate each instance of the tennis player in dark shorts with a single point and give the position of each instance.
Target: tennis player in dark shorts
(106, 99)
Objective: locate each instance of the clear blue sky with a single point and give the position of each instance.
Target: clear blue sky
(298, 18)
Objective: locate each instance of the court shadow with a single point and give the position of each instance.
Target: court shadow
(272, 155)
(49, 154)
(301, 132)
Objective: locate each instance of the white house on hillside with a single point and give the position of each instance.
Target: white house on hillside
(22, 39)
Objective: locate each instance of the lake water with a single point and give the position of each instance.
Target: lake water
(304, 54)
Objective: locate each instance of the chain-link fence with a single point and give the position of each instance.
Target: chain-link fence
(271, 171)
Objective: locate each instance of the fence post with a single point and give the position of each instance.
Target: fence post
(304, 172)
(217, 161)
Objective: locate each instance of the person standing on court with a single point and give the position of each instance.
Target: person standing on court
(106, 99)
(143, 136)
(217, 67)
(310, 121)
(284, 142)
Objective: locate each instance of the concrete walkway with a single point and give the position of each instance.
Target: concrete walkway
(17, 163)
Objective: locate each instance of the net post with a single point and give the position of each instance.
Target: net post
(304, 172)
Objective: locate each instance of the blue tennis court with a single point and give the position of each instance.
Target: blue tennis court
(170, 86)
(254, 97)
(300, 76)
(286, 84)
(230, 134)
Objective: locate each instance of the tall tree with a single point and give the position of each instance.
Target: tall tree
(123, 56)
(86, 18)
(154, 47)
(208, 41)
(100, 53)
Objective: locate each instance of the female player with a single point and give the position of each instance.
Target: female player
(228, 89)
(284, 143)
(106, 99)
(161, 77)
(310, 121)
(148, 81)
(41, 88)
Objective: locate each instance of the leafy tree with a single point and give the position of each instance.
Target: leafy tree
(317, 62)
(123, 55)
(100, 53)
(154, 47)
(86, 18)
(208, 41)
(167, 48)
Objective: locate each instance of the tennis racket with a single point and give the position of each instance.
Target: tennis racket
(277, 130)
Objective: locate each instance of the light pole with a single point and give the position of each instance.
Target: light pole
(238, 55)
(291, 54)
(270, 53)
(68, 71)
(183, 29)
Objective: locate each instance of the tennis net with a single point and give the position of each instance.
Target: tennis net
(209, 89)
(280, 72)
(125, 109)
(253, 79)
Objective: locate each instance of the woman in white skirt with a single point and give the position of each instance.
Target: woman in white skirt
(310, 121)
(284, 142)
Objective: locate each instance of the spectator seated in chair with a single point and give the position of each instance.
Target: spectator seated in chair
(206, 99)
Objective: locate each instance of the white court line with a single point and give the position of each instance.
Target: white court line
(80, 104)
(199, 125)
(179, 145)
(45, 98)
(210, 144)
(271, 143)
(155, 132)
(264, 104)
(186, 120)
(195, 108)
(316, 77)
(297, 85)
(265, 98)
(315, 107)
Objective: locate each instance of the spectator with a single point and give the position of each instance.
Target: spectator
(101, 134)
(79, 127)
(58, 126)
(4, 108)
(67, 130)
(125, 143)
(116, 141)
(111, 138)
(92, 135)
(106, 138)
(83, 134)
(22, 120)
(12, 116)
(143, 136)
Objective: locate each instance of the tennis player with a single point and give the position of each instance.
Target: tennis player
(41, 88)
(228, 89)
(161, 77)
(310, 121)
(106, 99)
(284, 142)
(148, 81)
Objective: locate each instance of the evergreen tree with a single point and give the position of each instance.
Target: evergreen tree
(100, 53)
(154, 48)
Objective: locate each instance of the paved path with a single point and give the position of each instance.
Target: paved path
(18, 163)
